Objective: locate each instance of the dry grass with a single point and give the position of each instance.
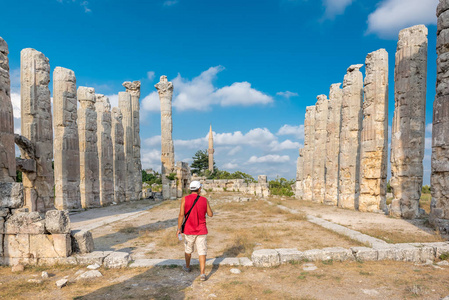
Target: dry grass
(424, 202)
(394, 237)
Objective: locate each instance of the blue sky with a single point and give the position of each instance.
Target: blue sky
(248, 67)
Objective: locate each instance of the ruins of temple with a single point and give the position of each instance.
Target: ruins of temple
(211, 150)
(439, 209)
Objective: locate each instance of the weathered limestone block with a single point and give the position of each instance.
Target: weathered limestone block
(319, 155)
(66, 143)
(374, 139)
(11, 194)
(26, 165)
(265, 258)
(333, 145)
(25, 223)
(408, 130)
(50, 245)
(439, 208)
(116, 260)
(351, 125)
(57, 222)
(337, 254)
(314, 255)
(134, 89)
(165, 90)
(290, 254)
(7, 152)
(82, 241)
(16, 245)
(36, 126)
(364, 253)
(299, 184)
(105, 149)
(87, 130)
(125, 105)
(309, 148)
(119, 163)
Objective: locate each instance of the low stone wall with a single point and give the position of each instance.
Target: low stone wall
(259, 189)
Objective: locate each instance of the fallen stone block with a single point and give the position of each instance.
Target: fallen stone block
(385, 253)
(245, 262)
(337, 254)
(425, 253)
(227, 261)
(314, 255)
(17, 246)
(90, 274)
(12, 261)
(61, 283)
(57, 221)
(364, 253)
(50, 246)
(25, 223)
(440, 248)
(265, 258)
(92, 258)
(51, 261)
(117, 260)
(11, 194)
(82, 241)
(289, 254)
(406, 252)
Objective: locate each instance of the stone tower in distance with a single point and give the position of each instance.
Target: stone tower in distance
(211, 150)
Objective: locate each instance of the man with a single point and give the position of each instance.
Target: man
(195, 230)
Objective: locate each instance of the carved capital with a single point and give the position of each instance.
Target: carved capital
(133, 88)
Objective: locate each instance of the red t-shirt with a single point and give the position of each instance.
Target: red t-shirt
(196, 223)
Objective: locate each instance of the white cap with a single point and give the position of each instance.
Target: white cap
(195, 185)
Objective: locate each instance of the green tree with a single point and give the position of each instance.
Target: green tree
(151, 178)
(281, 186)
(18, 176)
(200, 164)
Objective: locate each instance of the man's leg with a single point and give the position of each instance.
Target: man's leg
(188, 257)
(202, 263)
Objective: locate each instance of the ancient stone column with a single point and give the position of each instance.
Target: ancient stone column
(119, 162)
(105, 149)
(374, 138)
(134, 89)
(439, 209)
(351, 125)
(319, 154)
(299, 186)
(165, 90)
(36, 126)
(87, 130)
(333, 145)
(309, 148)
(408, 130)
(7, 152)
(125, 105)
(211, 150)
(66, 143)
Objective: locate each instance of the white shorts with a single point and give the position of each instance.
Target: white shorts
(199, 240)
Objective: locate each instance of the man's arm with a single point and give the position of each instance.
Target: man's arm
(210, 213)
(181, 216)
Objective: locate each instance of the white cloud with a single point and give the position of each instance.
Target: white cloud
(15, 100)
(269, 159)
(393, 15)
(151, 158)
(335, 7)
(428, 143)
(231, 166)
(287, 94)
(429, 128)
(285, 145)
(151, 75)
(235, 150)
(191, 144)
(297, 131)
(170, 2)
(200, 93)
(153, 141)
(113, 99)
(255, 137)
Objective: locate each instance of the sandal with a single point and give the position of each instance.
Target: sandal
(186, 269)
(203, 277)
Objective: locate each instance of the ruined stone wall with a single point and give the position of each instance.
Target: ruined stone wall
(125, 105)
(134, 89)
(7, 152)
(374, 139)
(319, 153)
(119, 163)
(259, 189)
(408, 130)
(333, 145)
(165, 91)
(66, 143)
(36, 126)
(105, 149)
(309, 142)
(87, 130)
(299, 184)
(439, 210)
(182, 177)
(351, 124)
